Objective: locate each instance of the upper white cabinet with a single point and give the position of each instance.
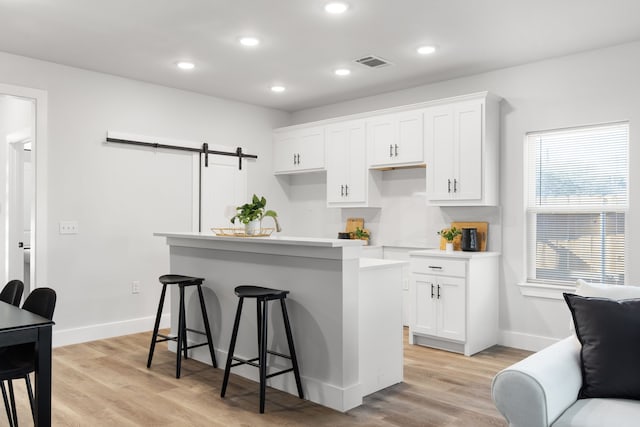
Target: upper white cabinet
(395, 140)
(299, 150)
(462, 142)
(349, 182)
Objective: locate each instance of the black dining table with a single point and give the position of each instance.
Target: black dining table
(18, 326)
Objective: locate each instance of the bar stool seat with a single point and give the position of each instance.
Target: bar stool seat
(262, 296)
(181, 339)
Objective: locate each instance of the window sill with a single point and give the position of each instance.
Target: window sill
(540, 290)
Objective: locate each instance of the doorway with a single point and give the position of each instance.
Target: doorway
(22, 202)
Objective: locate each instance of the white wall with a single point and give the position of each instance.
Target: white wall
(120, 195)
(592, 87)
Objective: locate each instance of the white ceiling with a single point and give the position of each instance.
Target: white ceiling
(302, 45)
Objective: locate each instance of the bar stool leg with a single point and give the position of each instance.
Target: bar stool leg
(292, 351)
(259, 322)
(185, 347)
(181, 331)
(263, 354)
(232, 346)
(154, 337)
(207, 328)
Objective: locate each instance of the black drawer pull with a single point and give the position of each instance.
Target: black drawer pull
(435, 267)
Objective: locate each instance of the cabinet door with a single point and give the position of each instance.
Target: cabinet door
(309, 146)
(468, 137)
(346, 164)
(423, 312)
(356, 168)
(337, 162)
(439, 138)
(410, 145)
(283, 155)
(381, 138)
(451, 316)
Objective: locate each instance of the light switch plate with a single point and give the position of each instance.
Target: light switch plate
(68, 227)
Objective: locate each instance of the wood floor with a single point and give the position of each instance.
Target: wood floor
(106, 383)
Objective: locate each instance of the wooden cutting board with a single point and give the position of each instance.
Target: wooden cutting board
(353, 223)
(482, 227)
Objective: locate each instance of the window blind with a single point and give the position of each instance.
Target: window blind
(577, 200)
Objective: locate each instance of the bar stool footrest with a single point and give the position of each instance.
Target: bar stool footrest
(280, 373)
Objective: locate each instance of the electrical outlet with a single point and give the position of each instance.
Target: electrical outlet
(68, 227)
(405, 284)
(135, 287)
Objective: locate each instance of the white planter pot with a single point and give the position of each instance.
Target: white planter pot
(449, 247)
(253, 227)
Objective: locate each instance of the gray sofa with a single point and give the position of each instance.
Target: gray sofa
(542, 390)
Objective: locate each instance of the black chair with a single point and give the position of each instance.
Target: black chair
(12, 292)
(262, 296)
(18, 361)
(181, 339)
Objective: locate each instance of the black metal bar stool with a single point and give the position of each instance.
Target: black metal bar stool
(181, 339)
(262, 296)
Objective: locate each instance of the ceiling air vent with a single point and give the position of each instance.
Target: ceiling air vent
(373, 61)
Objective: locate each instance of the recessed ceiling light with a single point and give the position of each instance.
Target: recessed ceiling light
(426, 50)
(336, 7)
(277, 89)
(184, 65)
(249, 41)
(342, 72)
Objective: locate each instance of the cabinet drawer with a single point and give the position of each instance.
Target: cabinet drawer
(439, 266)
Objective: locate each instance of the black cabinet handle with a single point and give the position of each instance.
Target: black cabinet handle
(342, 190)
(432, 291)
(390, 150)
(438, 291)
(294, 159)
(346, 190)
(435, 267)
(396, 150)
(455, 185)
(448, 186)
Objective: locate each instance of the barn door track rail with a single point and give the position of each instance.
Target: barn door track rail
(202, 150)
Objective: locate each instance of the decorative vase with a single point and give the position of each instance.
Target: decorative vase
(449, 247)
(252, 227)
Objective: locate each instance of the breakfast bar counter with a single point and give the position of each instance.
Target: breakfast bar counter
(324, 305)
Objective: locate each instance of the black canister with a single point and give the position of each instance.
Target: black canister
(470, 240)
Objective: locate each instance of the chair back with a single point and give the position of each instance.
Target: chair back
(12, 292)
(41, 301)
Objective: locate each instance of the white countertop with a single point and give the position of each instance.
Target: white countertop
(271, 240)
(454, 254)
(373, 263)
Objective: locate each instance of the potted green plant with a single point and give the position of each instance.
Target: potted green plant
(449, 234)
(361, 234)
(251, 214)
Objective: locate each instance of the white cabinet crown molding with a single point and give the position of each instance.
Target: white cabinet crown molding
(391, 110)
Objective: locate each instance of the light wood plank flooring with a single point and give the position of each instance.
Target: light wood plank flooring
(106, 383)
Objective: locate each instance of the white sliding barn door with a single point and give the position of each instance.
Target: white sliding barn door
(224, 187)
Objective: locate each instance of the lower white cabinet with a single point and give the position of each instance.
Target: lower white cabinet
(454, 300)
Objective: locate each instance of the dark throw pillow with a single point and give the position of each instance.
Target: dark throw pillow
(609, 332)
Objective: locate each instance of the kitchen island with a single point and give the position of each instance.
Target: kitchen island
(325, 305)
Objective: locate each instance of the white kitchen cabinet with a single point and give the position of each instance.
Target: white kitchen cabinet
(299, 150)
(462, 143)
(454, 300)
(396, 140)
(349, 182)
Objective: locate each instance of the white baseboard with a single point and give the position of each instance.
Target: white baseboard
(338, 398)
(525, 341)
(106, 330)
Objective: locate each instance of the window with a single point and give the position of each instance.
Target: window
(577, 202)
